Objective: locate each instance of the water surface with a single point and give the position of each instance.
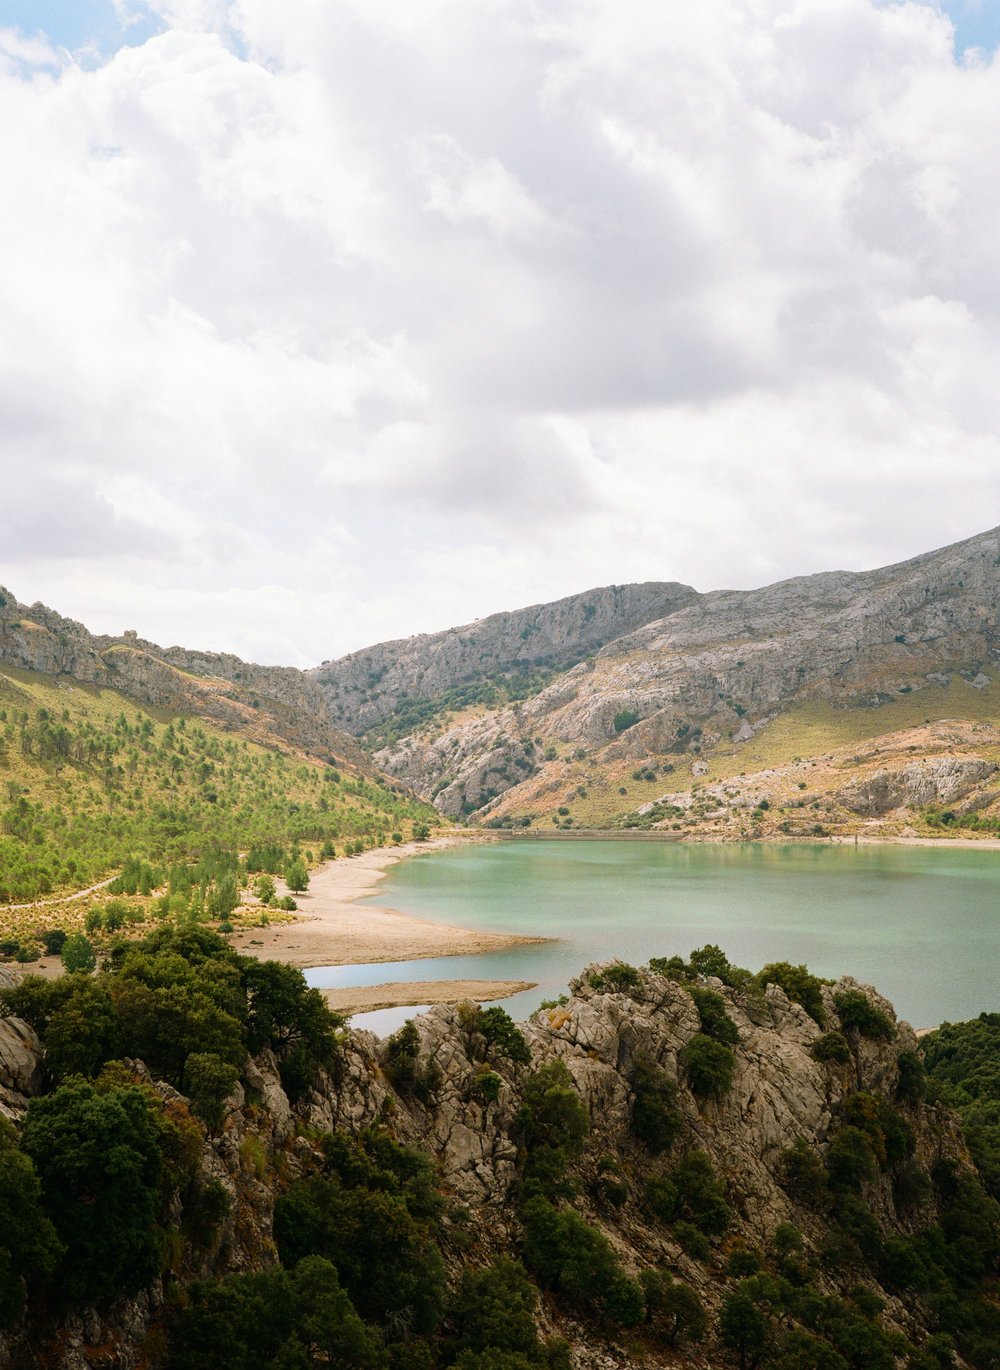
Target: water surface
(920, 923)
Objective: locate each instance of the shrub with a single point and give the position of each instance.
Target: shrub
(656, 1119)
(911, 1086)
(715, 1021)
(615, 979)
(99, 1158)
(53, 941)
(857, 1012)
(709, 1066)
(29, 1247)
(802, 1174)
(801, 987)
(78, 955)
(674, 1311)
(850, 1162)
(579, 1262)
(832, 1048)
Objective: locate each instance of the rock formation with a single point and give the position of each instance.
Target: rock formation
(780, 1092)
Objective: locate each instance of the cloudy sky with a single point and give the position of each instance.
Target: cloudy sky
(328, 321)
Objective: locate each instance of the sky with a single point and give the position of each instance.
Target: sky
(339, 320)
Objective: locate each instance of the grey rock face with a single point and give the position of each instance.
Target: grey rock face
(21, 1074)
(363, 689)
(854, 640)
(779, 1092)
(937, 780)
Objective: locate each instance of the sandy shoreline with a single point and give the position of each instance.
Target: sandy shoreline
(365, 998)
(334, 929)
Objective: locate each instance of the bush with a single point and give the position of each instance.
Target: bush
(832, 1048)
(674, 1311)
(374, 1214)
(29, 1247)
(691, 1193)
(858, 1013)
(715, 1021)
(78, 954)
(615, 979)
(99, 1158)
(801, 987)
(802, 1174)
(850, 1162)
(911, 1086)
(656, 1119)
(579, 1262)
(708, 1065)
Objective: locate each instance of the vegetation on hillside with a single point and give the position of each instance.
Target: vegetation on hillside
(89, 781)
(413, 715)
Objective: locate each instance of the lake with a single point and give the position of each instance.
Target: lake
(919, 923)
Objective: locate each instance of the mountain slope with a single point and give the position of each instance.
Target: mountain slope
(264, 702)
(367, 687)
(691, 689)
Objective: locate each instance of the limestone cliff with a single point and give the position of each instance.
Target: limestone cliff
(365, 687)
(780, 1092)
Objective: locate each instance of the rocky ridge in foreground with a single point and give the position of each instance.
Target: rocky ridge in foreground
(758, 1157)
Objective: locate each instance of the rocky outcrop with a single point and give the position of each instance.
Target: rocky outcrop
(264, 701)
(779, 1092)
(726, 661)
(21, 1074)
(941, 780)
(364, 688)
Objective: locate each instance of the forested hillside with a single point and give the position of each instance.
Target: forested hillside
(91, 779)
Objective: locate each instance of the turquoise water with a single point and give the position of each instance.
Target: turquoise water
(919, 923)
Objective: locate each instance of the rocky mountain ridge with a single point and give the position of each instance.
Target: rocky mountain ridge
(365, 687)
(782, 1093)
(715, 672)
(276, 701)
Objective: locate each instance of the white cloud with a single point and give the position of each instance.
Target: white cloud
(329, 322)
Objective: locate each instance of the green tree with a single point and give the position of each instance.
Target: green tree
(209, 1080)
(98, 1156)
(78, 955)
(743, 1328)
(708, 1065)
(29, 1247)
(801, 987)
(296, 876)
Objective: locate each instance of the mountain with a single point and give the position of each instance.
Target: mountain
(825, 683)
(369, 686)
(263, 702)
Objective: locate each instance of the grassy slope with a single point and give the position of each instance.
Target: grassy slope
(87, 778)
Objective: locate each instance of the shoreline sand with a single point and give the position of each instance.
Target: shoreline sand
(367, 998)
(334, 928)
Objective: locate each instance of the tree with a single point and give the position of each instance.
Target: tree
(656, 1119)
(99, 1159)
(29, 1247)
(78, 954)
(264, 889)
(296, 876)
(209, 1080)
(743, 1328)
(801, 987)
